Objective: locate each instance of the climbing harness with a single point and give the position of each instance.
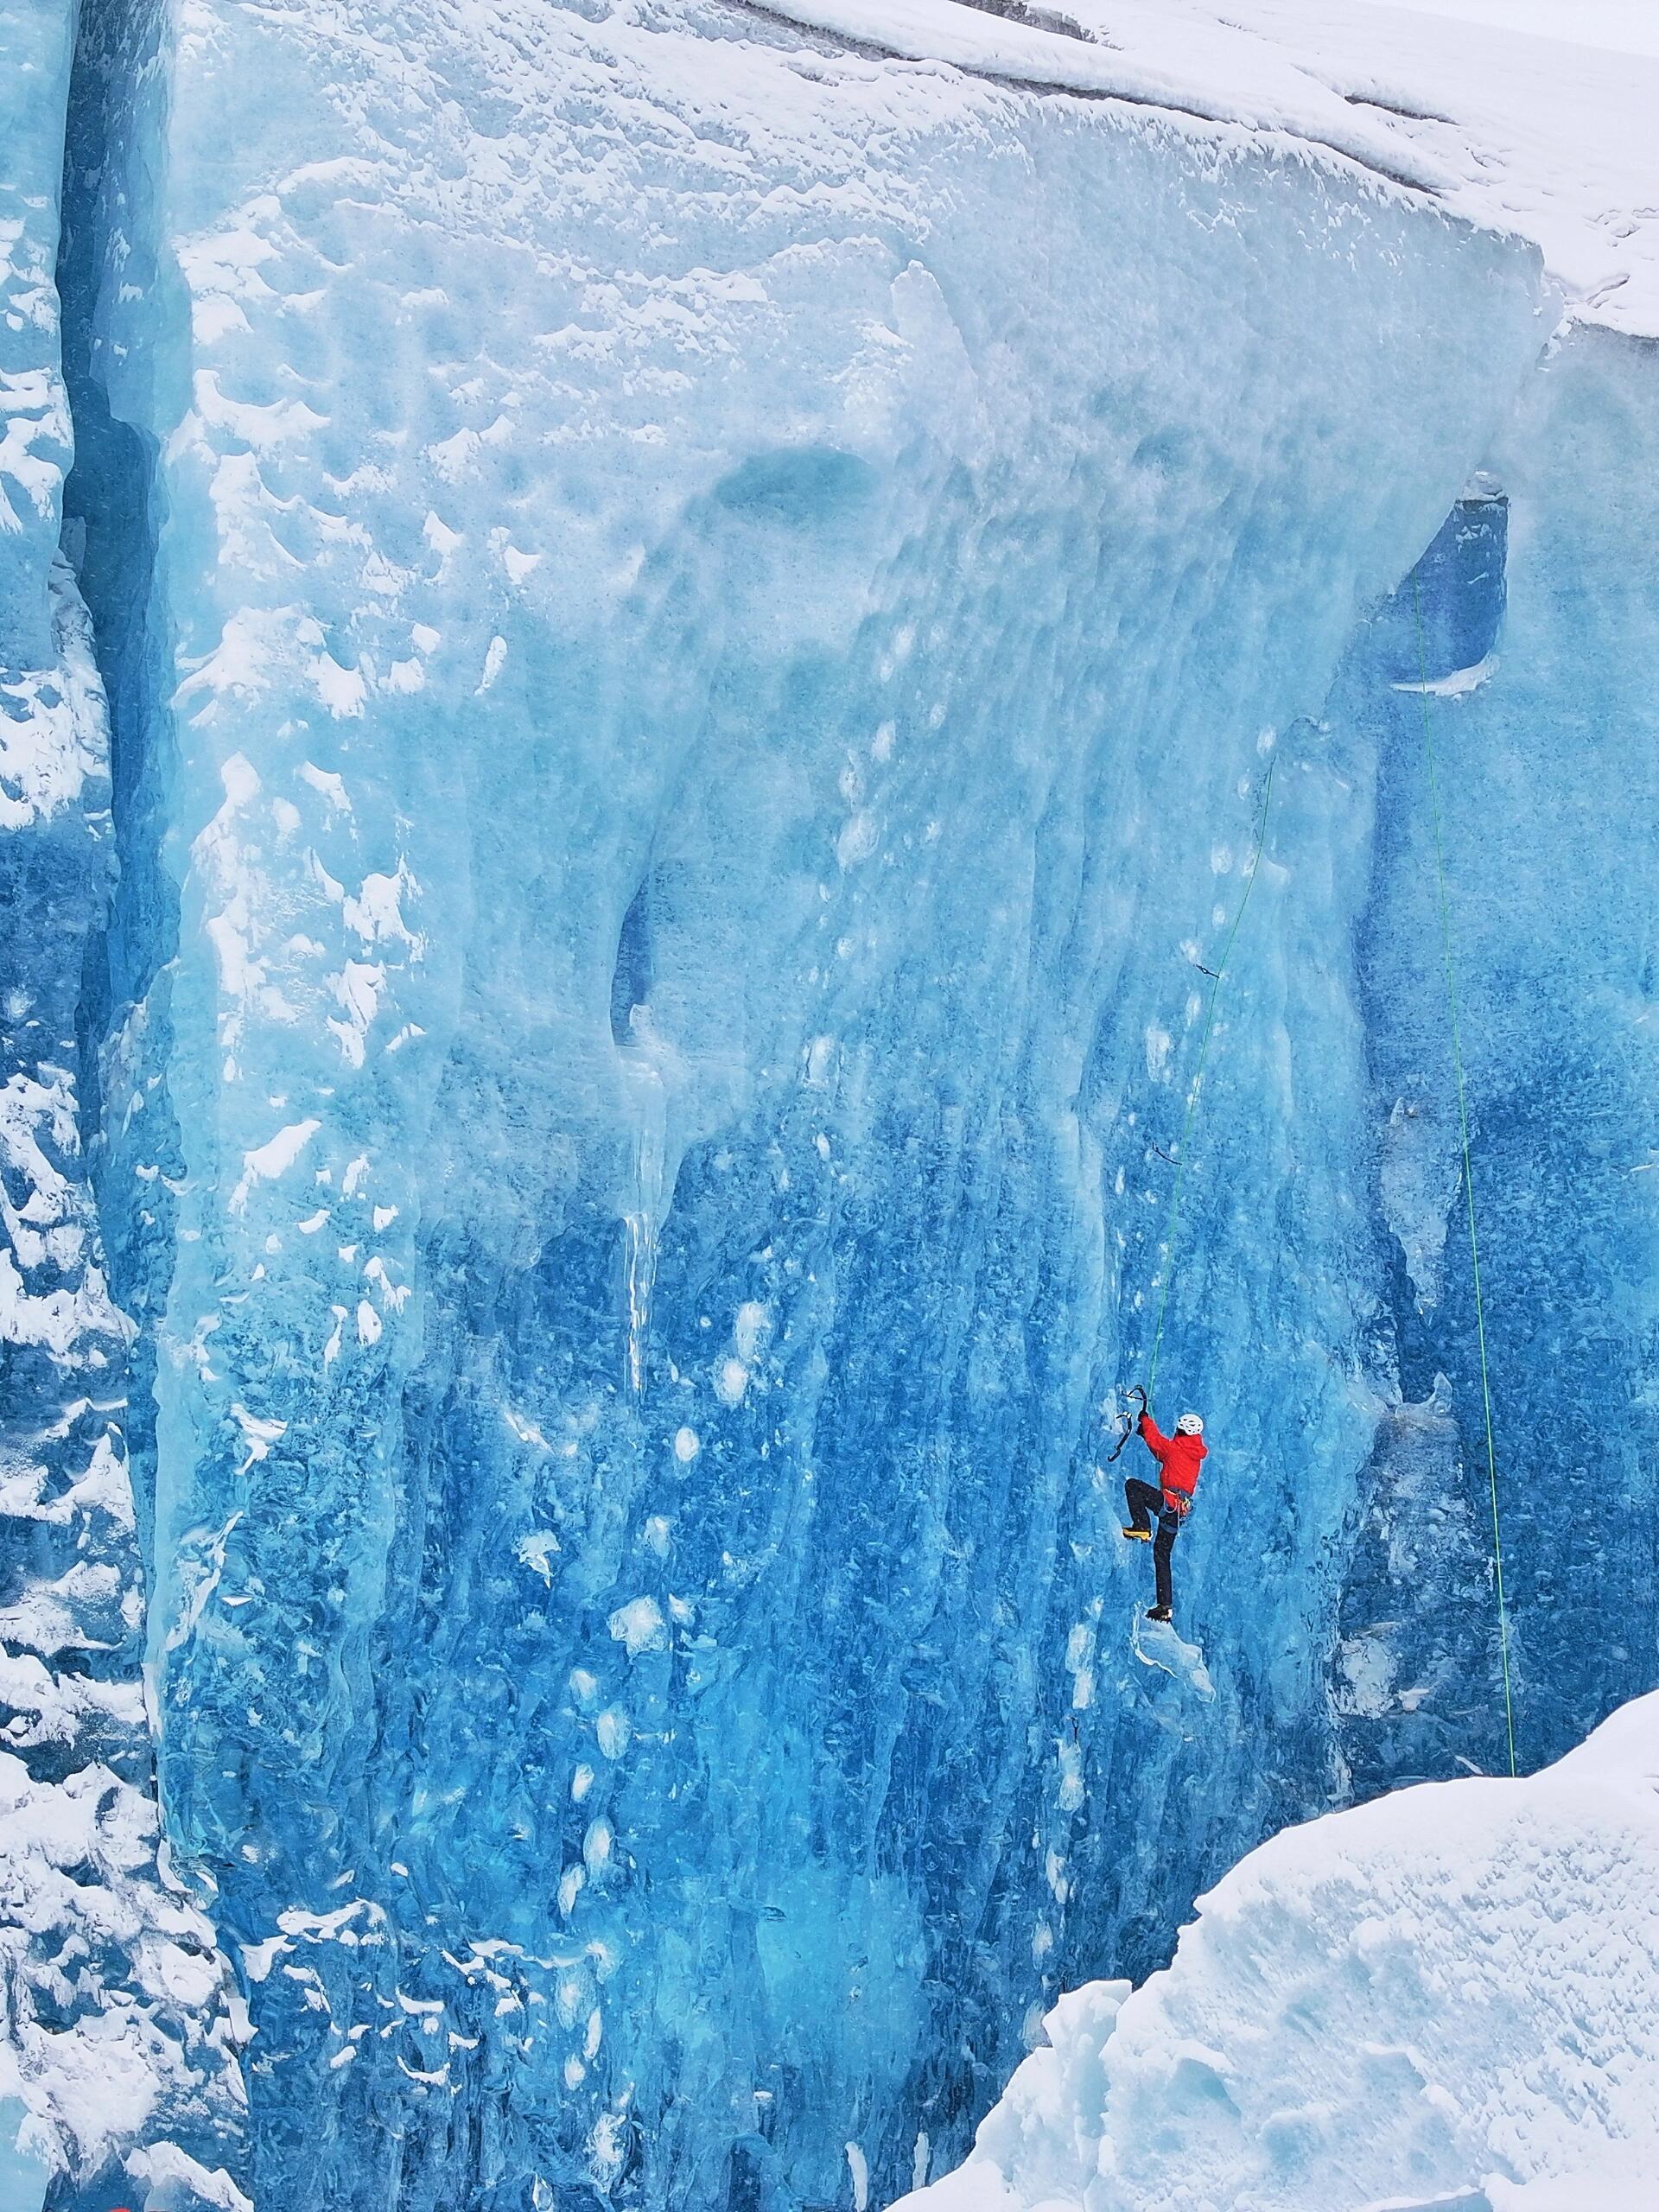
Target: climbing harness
(1172, 1215)
(1468, 1178)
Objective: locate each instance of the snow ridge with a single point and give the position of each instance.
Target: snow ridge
(1518, 132)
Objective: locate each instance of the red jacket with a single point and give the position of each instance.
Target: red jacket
(1179, 1457)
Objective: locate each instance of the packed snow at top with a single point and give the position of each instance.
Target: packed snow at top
(829, 1231)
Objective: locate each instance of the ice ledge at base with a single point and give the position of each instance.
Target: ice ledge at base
(1444, 2001)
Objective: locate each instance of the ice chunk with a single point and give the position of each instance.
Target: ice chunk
(639, 1625)
(1156, 1644)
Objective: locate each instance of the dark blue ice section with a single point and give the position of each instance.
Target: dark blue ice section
(1446, 616)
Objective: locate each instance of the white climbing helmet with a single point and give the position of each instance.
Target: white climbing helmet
(1190, 1425)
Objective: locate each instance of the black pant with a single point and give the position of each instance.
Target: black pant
(1144, 1500)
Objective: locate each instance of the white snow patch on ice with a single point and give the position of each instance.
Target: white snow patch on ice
(859, 2167)
(166, 2170)
(1459, 683)
(750, 1330)
(267, 1162)
(639, 1625)
(257, 1435)
(48, 718)
(1156, 1644)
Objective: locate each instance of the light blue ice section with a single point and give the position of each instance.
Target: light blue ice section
(695, 627)
(36, 46)
(23, 2177)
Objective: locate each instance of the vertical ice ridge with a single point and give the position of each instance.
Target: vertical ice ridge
(35, 45)
(117, 2043)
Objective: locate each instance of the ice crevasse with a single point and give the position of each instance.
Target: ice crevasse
(625, 747)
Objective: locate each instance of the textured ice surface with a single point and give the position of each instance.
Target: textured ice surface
(693, 622)
(1443, 2002)
(1535, 113)
(1156, 1644)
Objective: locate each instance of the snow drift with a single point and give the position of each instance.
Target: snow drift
(1444, 2001)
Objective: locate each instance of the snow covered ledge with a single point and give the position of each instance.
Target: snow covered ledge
(1444, 2001)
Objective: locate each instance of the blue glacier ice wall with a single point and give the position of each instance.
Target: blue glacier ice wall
(695, 626)
(116, 2011)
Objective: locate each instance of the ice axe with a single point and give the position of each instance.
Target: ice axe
(1126, 1424)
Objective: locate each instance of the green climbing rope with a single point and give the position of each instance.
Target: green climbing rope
(1468, 1176)
(1172, 1215)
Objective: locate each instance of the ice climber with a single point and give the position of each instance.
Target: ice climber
(1179, 1457)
